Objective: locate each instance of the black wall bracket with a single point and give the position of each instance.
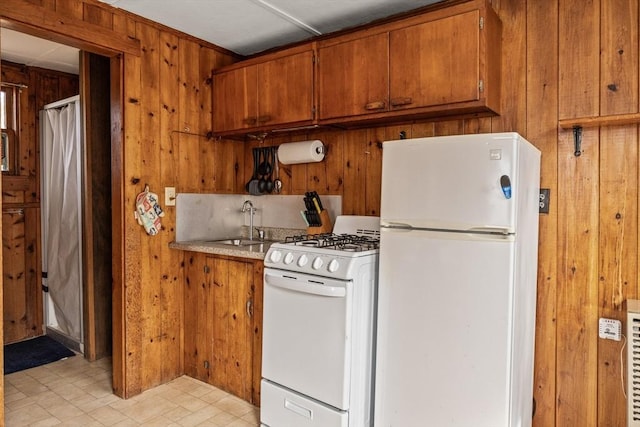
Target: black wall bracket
(577, 141)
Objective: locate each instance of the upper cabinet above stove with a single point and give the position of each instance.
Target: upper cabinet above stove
(437, 64)
(443, 62)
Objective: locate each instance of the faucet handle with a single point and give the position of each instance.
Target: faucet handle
(260, 234)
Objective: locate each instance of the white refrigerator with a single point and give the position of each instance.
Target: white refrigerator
(457, 282)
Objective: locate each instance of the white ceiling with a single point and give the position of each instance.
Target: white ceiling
(242, 26)
(36, 52)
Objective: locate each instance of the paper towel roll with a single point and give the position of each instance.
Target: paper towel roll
(301, 152)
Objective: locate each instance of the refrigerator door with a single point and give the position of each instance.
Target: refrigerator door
(458, 182)
(445, 325)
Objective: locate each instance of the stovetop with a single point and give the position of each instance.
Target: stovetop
(340, 242)
(354, 242)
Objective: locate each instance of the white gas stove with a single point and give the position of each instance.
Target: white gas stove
(331, 255)
(318, 322)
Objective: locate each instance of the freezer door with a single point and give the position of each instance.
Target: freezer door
(445, 325)
(459, 182)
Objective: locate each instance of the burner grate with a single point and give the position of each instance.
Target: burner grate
(343, 242)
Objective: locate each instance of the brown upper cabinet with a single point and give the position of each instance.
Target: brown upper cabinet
(444, 62)
(265, 93)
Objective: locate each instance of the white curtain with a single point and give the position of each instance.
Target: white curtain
(61, 216)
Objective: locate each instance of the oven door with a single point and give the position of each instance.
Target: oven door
(306, 335)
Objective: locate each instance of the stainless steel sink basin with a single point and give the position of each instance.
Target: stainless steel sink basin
(239, 242)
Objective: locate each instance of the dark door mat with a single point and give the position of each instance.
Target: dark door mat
(34, 352)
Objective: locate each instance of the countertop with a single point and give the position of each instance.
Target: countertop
(252, 252)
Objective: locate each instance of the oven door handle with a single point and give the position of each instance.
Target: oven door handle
(305, 287)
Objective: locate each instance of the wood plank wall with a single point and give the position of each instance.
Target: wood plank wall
(166, 90)
(562, 59)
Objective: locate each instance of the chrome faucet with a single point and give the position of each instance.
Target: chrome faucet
(248, 206)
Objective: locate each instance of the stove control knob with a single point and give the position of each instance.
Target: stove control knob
(333, 266)
(302, 261)
(317, 263)
(288, 258)
(275, 256)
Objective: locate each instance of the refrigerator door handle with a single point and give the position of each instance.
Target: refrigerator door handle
(491, 230)
(396, 225)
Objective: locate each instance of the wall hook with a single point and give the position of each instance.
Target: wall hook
(577, 141)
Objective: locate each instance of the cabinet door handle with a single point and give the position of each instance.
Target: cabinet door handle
(375, 105)
(396, 102)
(264, 119)
(249, 307)
(251, 121)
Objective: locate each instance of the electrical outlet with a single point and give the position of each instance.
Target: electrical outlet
(543, 200)
(169, 196)
(609, 329)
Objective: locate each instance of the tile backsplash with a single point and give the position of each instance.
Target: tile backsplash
(215, 216)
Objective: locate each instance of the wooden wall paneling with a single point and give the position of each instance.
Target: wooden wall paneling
(133, 233)
(577, 317)
(207, 61)
(422, 129)
(151, 291)
(33, 269)
(480, 125)
(355, 171)
(579, 58)
(513, 68)
(541, 120)
(70, 7)
(372, 186)
(448, 127)
(189, 113)
(228, 167)
(298, 177)
(97, 14)
(618, 194)
(170, 272)
(16, 295)
(325, 177)
(577, 334)
(618, 258)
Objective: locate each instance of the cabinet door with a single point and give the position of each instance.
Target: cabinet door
(235, 104)
(232, 296)
(436, 62)
(353, 77)
(198, 316)
(286, 90)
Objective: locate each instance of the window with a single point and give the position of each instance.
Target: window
(9, 108)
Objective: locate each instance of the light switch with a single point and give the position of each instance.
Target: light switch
(169, 196)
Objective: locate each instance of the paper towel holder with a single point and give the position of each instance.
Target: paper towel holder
(317, 150)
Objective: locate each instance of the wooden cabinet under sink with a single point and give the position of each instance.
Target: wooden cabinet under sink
(223, 323)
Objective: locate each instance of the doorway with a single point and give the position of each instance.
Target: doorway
(95, 71)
